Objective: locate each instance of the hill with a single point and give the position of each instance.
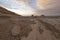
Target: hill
(5, 12)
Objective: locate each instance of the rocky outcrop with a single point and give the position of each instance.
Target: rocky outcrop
(5, 12)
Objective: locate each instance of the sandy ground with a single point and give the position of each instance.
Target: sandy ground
(27, 29)
(16, 27)
(36, 35)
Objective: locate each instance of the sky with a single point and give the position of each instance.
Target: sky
(46, 7)
(49, 7)
(33, 3)
(19, 6)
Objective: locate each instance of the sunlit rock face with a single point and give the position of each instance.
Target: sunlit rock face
(19, 7)
(48, 4)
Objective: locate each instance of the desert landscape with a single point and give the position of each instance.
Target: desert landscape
(17, 27)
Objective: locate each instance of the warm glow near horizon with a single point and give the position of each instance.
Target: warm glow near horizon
(22, 12)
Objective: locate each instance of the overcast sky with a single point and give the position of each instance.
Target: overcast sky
(10, 3)
(20, 7)
(47, 7)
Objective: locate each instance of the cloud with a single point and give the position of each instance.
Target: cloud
(19, 7)
(46, 4)
(11, 3)
(49, 7)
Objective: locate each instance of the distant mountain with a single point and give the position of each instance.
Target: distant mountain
(6, 12)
